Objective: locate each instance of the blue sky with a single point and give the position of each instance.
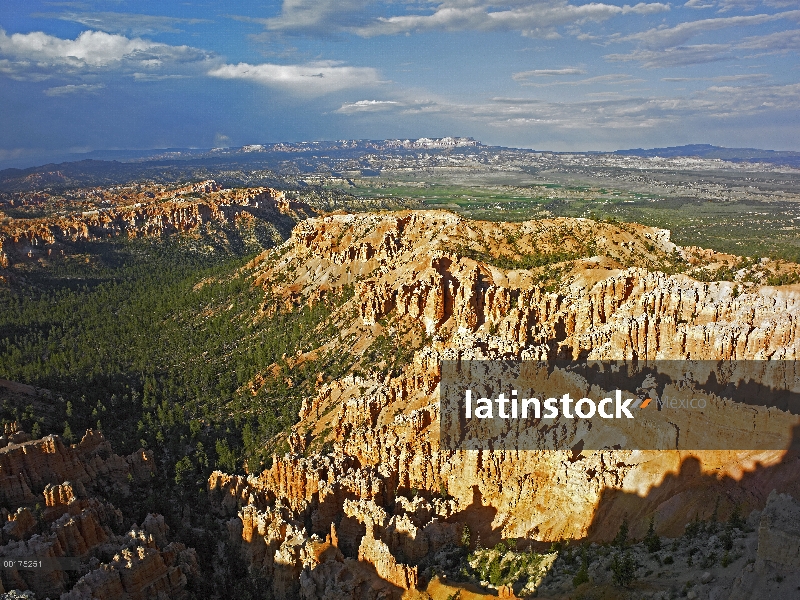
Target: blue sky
(562, 75)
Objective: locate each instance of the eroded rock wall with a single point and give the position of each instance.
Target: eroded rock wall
(425, 270)
(48, 493)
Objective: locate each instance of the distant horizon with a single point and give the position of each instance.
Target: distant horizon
(68, 158)
(566, 75)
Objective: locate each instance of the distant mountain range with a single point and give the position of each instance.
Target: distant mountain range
(709, 151)
(280, 164)
(171, 154)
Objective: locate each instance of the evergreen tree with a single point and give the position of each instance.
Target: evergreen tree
(623, 569)
(651, 540)
(622, 535)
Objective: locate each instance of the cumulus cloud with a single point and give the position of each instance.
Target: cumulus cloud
(72, 89)
(91, 48)
(535, 19)
(38, 55)
(312, 79)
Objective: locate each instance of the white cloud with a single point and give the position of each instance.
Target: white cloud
(91, 48)
(741, 77)
(667, 37)
(646, 8)
(532, 113)
(318, 16)
(155, 77)
(71, 89)
(37, 55)
(312, 79)
(609, 79)
(610, 112)
(736, 101)
(773, 43)
(674, 57)
(547, 73)
(516, 101)
(727, 5)
(722, 78)
(536, 19)
(131, 23)
(699, 4)
(724, 6)
(362, 106)
(662, 47)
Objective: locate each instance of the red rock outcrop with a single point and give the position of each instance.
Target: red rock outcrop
(50, 485)
(435, 271)
(27, 469)
(139, 572)
(165, 213)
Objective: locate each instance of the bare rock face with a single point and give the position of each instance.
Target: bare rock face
(12, 434)
(139, 572)
(395, 496)
(377, 553)
(41, 466)
(50, 486)
(775, 570)
(336, 577)
(779, 531)
(174, 211)
(62, 495)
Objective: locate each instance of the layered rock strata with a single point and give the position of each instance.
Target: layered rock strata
(609, 299)
(50, 510)
(173, 212)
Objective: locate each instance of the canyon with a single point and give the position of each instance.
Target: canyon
(389, 496)
(50, 510)
(367, 502)
(149, 213)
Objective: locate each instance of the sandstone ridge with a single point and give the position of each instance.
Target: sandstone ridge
(153, 214)
(51, 508)
(459, 289)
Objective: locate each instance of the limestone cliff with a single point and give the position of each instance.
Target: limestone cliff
(175, 211)
(561, 288)
(50, 510)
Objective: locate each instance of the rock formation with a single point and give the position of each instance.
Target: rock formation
(385, 506)
(174, 211)
(393, 494)
(49, 510)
